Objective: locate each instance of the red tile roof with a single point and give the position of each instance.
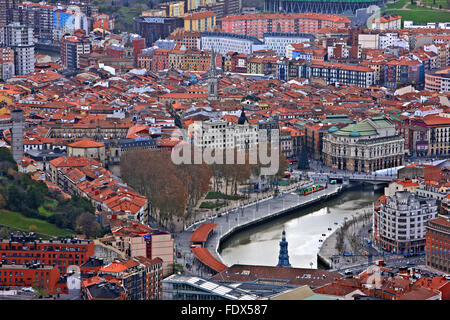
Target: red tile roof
(206, 258)
(202, 232)
(86, 143)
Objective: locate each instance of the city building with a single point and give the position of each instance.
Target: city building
(306, 51)
(334, 73)
(402, 72)
(188, 39)
(6, 11)
(27, 275)
(140, 277)
(28, 249)
(294, 277)
(88, 149)
(38, 15)
(279, 41)
(98, 288)
(20, 38)
(196, 60)
(334, 7)
(154, 28)
(72, 47)
(220, 134)
(202, 21)
(366, 146)
(430, 134)
(387, 22)
(369, 41)
(256, 25)
(438, 243)
(67, 20)
(136, 239)
(400, 223)
(6, 70)
(438, 81)
(227, 42)
(180, 287)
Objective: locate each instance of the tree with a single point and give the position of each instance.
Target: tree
(86, 224)
(302, 159)
(2, 201)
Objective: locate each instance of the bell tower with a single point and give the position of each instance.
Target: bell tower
(212, 78)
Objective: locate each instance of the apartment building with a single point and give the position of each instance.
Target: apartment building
(400, 224)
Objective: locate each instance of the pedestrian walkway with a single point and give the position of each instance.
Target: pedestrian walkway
(245, 216)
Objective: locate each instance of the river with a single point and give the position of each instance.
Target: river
(304, 228)
(53, 55)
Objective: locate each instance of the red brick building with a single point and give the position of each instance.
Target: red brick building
(21, 275)
(437, 248)
(21, 250)
(257, 24)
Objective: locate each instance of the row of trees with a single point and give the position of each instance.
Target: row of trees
(174, 190)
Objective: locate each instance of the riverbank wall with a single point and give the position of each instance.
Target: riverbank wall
(274, 215)
(328, 248)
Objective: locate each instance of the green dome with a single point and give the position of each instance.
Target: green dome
(333, 129)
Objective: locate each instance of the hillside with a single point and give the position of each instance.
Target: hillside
(28, 205)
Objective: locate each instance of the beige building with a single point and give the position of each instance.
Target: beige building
(88, 149)
(370, 145)
(388, 22)
(400, 185)
(368, 41)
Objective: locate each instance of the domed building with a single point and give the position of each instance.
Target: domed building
(365, 146)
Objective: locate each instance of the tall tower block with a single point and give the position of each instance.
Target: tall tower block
(17, 135)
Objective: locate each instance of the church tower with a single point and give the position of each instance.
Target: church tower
(128, 50)
(283, 258)
(212, 78)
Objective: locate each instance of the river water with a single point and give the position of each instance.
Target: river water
(304, 228)
(53, 55)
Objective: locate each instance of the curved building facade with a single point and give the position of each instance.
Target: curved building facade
(319, 6)
(400, 223)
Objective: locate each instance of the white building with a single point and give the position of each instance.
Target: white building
(388, 22)
(400, 223)
(20, 38)
(368, 41)
(278, 41)
(220, 134)
(227, 42)
(392, 39)
(430, 25)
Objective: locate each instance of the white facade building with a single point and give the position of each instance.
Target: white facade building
(278, 41)
(391, 39)
(220, 134)
(20, 39)
(400, 223)
(226, 42)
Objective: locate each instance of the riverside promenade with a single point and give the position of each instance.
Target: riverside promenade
(257, 212)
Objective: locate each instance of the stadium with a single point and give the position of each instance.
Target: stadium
(319, 6)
